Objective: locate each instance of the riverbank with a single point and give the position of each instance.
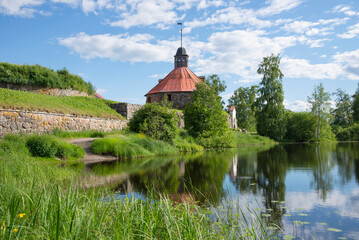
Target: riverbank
(39, 201)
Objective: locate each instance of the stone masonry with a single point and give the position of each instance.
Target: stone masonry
(15, 121)
(179, 99)
(126, 109)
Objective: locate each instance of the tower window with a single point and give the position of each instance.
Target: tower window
(169, 97)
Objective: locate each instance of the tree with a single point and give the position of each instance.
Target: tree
(204, 116)
(355, 106)
(320, 108)
(214, 82)
(244, 101)
(270, 114)
(300, 126)
(343, 111)
(157, 122)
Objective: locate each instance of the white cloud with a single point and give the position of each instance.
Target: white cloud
(73, 3)
(148, 12)
(296, 105)
(158, 76)
(312, 43)
(136, 48)
(302, 68)
(352, 32)
(21, 8)
(346, 10)
(240, 52)
(350, 62)
(231, 16)
(278, 6)
(321, 27)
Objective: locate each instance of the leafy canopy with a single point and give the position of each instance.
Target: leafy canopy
(343, 108)
(355, 106)
(270, 114)
(244, 100)
(204, 116)
(157, 122)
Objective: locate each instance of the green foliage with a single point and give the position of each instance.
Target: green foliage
(204, 116)
(244, 101)
(131, 146)
(214, 82)
(270, 114)
(227, 140)
(38, 76)
(355, 105)
(320, 108)
(85, 106)
(350, 133)
(343, 108)
(156, 121)
(48, 146)
(300, 127)
(82, 134)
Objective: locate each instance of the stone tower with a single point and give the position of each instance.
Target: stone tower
(178, 85)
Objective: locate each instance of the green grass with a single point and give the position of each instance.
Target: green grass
(38, 76)
(132, 146)
(248, 139)
(81, 106)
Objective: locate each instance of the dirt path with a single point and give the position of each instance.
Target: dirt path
(90, 157)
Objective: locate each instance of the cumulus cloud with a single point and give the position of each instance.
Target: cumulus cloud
(148, 12)
(21, 8)
(302, 68)
(352, 32)
(346, 10)
(350, 62)
(296, 105)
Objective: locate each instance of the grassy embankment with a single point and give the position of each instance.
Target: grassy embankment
(82, 106)
(39, 201)
(38, 76)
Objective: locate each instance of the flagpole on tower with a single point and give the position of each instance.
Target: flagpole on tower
(180, 23)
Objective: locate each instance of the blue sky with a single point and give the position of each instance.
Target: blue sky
(124, 46)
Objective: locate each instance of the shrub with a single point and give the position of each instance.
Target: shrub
(157, 122)
(227, 140)
(49, 147)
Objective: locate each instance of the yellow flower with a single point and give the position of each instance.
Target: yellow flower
(3, 225)
(15, 230)
(21, 215)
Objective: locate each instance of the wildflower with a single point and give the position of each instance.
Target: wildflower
(15, 230)
(2, 225)
(21, 215)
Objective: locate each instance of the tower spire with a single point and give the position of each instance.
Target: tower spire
(180, 23)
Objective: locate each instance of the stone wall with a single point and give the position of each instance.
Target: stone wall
(47, 91)
(126, 109)
(179, 99)
(16, 121)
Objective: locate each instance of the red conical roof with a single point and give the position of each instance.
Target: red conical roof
(181, 79)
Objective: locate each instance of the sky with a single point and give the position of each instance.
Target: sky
(124, 46)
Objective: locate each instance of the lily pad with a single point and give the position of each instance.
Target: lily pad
(274, 201)
(303, 214)
(284, 202)
(342, 238)
(334, 229)
(269, 209)
(323, 223)
(299, 209)
(287, 237)
(272, 228)
(252, 184)
(287, 215)
(266, 215)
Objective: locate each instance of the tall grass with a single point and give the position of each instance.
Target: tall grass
(246, 138)
(132, 146)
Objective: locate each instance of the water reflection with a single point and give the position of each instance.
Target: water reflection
(321, 179)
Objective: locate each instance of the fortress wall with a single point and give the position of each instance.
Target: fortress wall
(15, 121)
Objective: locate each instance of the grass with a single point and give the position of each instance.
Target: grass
(81, 106)
(38, 76)
(132, 146)
(249, 139)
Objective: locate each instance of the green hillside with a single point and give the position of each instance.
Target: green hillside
(38, 76)
(82, 106)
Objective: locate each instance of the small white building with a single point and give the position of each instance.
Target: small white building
(232, 112)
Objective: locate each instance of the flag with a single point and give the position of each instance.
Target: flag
(179, 23)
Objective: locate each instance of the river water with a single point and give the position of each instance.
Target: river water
(309, 191)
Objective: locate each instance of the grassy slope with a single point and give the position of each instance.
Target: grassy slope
(83, 106)
(39, 76)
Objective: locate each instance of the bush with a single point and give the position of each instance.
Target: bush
(155, 121)
(227, 140)
(350, 133)
(50, 147)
